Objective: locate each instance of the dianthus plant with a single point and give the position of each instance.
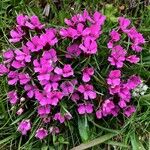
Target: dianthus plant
(48, 71)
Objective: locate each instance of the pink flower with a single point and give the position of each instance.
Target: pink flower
(114, 89)
(16, 35)
(24, 78)
(85, 108)
(107, 107)
(12, 97)
(20, 111)
(73, 51)
(68, 87)
(13, 77)
(3, 70)
(98, 18)
(89, 45)
(88, 91)
(124, 23)
(21, 20)
(122, 103)
(75, 97)
(44, 110)
(30, 89)
(114, 78)
(128, 111)
(54, 130)
(99, 114)
(54, 97)
(43, 100)
(49, 38)
(87, 73)
(115, 36)
(117, 56)
(8, 56)
(133, 59)
(24, 126)
(23, 55)
(133, 82)
(41, 133)
(124, 92)
(50, 55)
(59, 117)
(35, 44)
(33, 23)
(67, 71)
(18, 64)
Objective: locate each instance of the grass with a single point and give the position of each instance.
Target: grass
(119, 133)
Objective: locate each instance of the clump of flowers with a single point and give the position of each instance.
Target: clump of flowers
(44, 79)
(120, 89)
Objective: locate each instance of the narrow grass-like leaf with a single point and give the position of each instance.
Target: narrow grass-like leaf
(94, 142)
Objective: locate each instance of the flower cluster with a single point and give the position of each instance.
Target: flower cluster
(45, 80)
(119, 89)
(84, 29)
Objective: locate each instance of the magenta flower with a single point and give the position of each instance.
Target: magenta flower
(18, 64)
(24, 78)
(54, 97)
(98, 18)
(73, 51)
(30, 89)
(59, 117)
(67, 71)
(50, 55)
(128, 111)
(85, 108)
(52, 84)
(8, 56)
(124, 23)
(115, 36)
(114, 78)
(49, 37)
(124, 92)
(41, 133)
(43, 100)
(107, 107)
(114, 89)
(44, 110)
(16, 35)
(68, 87)
(33, 23)
(12, 97)
(75, 97)
(13, 77)
(99, 114)
(133, 59)
(117, 56)
(87, 73)
(88, 91)
(3, 69)
(89, 45)
(24, 126)
(54, 130)
(133, 82)
(122, 103)
(21, 19)
(35, 44)
(23, 55)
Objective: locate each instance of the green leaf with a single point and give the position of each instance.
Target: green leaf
(134, 143)
(8, 139)
(83, 128)
(114, 143)
(94, 142)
